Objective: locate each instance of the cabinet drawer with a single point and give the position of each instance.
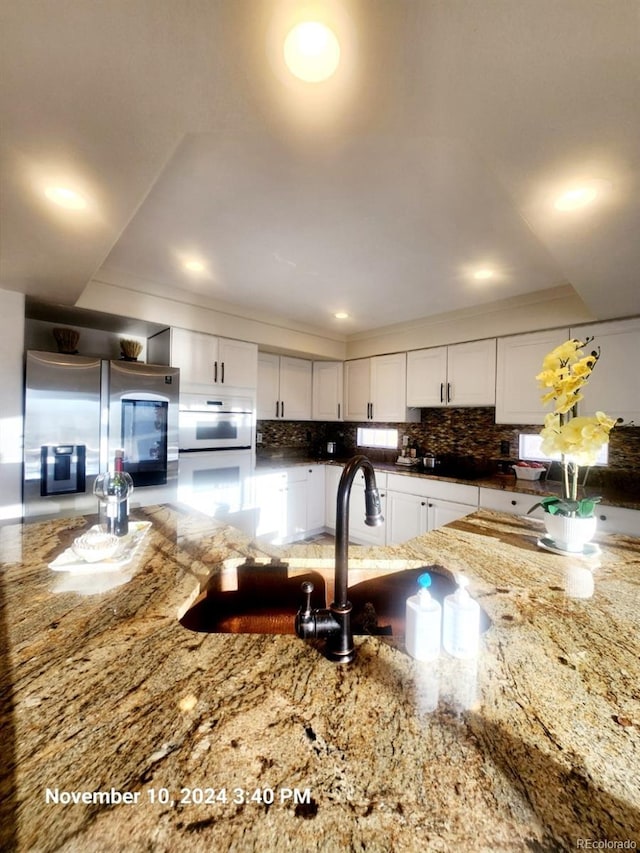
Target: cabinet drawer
(513, 502)
(428, 488)
(457, 492)
(408, 485)
(618, 519)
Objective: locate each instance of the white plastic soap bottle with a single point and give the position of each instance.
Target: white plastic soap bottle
(423, 621)
(461, 622)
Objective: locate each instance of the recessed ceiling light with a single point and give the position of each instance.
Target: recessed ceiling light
(312, 51)
(341, 315)
(194, 265)
(581, 195)
(65, 197)
(483, 274)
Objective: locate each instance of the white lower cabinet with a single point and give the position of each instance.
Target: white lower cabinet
(316, 516)
(406, 517)
(281, 504)
(332, 476)
(417, 505)
(611, 519)
(442, 512)
(515, 503)
(618, 519)
(297, 501)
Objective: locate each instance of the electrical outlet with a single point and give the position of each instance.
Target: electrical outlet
(258, 438)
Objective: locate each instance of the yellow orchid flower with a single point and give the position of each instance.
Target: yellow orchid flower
(576, 440)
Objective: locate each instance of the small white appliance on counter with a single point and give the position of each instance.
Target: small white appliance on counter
(217, 457)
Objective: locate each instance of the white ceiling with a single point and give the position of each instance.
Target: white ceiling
(437, 148)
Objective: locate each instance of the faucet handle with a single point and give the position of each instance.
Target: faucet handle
(307, 588)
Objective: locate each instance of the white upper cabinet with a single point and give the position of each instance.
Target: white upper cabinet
(456, 375)
(284, 388)
(519, 360)
(328, 386)
(238, 363)
(375, 389)
(357, 389)
(208, 360)
(614, 385)
(427, 377)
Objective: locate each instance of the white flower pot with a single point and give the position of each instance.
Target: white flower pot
(570, 534)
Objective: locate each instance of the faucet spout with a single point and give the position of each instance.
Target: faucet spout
(335, 623)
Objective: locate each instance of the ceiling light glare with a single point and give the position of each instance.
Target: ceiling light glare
(483, 274)
(194, 265)
(65, 197)
(312, 52)
(581, 195)
(341, 315)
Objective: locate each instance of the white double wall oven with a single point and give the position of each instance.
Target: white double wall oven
(217, 455)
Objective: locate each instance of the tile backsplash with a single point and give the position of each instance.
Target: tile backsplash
(460, 432)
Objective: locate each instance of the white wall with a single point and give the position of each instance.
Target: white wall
(158, 304)
(546, 309)
(11, 403)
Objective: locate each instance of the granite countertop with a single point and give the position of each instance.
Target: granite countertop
(611, 496)
(533, 746)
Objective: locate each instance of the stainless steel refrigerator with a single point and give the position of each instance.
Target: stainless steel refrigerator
(78, 411)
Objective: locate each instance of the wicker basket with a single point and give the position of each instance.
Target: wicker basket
(67, 340)
(130, 349)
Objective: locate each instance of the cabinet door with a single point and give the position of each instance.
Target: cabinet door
(519, 360)
(406, 517)
(427, 377)
(357, 390)
(389, 387)
(237, 363)
(331, 479)
(471, 374)
(442, 512)
(295, 389)
(195, 354)
(315, 497)
(270, 498)
(328, 383)
(268, 395)
(614, 385)
(295, 522)
(358, 530)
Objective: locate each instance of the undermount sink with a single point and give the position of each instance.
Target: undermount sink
(264, 599)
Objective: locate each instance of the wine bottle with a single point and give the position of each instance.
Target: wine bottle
(121, 487)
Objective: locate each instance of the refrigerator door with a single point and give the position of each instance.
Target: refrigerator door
(61, 434)
(143, 421)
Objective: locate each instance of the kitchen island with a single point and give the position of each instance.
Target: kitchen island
(123, 730)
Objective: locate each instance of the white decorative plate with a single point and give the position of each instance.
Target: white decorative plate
(69, 561)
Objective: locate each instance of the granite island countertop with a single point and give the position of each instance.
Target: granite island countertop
(533, 746)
